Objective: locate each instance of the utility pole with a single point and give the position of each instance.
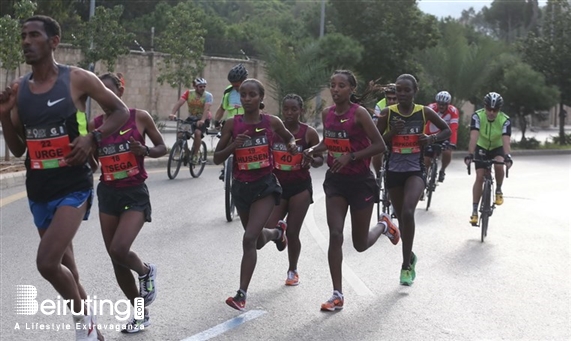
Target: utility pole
(321, 33)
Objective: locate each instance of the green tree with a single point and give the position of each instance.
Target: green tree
(103, 38)
(339, 51)
(511, 19)
(183, 59)
(549, 52)
(391, 32)
(11, 55)
(457, 65)
(301, 72)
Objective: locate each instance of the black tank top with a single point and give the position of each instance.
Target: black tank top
(51, 121)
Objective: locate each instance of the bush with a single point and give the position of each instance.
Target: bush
(556, 139)
(528, 143)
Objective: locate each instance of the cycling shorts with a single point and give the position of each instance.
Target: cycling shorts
(485, 154)
(43, 212)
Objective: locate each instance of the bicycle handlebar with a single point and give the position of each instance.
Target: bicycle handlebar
(489, 163)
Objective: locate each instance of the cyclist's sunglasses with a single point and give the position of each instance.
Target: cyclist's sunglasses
(493, 109)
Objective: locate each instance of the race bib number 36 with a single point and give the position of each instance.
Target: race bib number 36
(47, 147)
(405, 144)
(254, 154)
(337, 143)
(117, 162)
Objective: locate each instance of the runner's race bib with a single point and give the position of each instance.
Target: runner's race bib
(117, 162)
(284, 160)
(254, 154)
(406, 144)
(47, 146)
(337, 142)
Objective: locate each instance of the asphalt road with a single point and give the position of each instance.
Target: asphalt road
(516, 285)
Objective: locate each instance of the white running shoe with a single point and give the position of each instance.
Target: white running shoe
(147, 288)
(85, 327)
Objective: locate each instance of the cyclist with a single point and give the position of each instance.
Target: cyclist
(43, 115)
(124, 203)
(199, 101)
(403, 127)
(350, 138)
(231, 98)
(292, 172)
(490, 132)
(390, 99)
(450, 115)
(255, 188)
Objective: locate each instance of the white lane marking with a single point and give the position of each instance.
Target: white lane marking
(354, 281)
(226, 326)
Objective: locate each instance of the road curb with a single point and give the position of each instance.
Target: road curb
(19, 178)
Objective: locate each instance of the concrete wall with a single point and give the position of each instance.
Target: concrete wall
(141, 71)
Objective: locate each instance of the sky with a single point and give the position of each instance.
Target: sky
(453, 8)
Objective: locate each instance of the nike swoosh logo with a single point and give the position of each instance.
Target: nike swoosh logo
(369, 198)
(297, 140)
(51, 104)
(260, 129)
(345, 120)
(123, 132)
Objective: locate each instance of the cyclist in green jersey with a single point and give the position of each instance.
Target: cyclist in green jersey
(231, 98)
(490, 132)
(390, 99)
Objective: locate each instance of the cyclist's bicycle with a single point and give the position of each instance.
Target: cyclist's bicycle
(228, 180)
(179, 154)
(432, 172)
(487, 203)
(384, 204)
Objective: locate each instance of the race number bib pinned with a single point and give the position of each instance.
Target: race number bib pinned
(117, 162)
(47, 146)
(284, 160)
(406, 144)
(337, 142)
(254, 154)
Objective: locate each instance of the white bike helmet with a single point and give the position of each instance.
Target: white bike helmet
(199, 81)
(443, 97)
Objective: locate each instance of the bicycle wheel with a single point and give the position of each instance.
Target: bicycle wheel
(175, 159)
(486, 209)
(431, 184)
(228, 198)
(197, 168)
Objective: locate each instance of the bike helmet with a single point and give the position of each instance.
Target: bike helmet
(199, 81)
(391, 89)
(237, 74)
(443, 97)
(493, 100)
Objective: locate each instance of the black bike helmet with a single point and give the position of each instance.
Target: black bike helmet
(493, 100)
(237, 74)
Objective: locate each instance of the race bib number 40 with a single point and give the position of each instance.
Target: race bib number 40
(337, 142)
(254, 154)
(117, 162)
(47, 147)
(284, 160)
(406, 144)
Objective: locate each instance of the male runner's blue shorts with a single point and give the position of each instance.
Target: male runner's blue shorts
(44, 212)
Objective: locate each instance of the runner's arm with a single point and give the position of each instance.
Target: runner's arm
(312, 139)
(279, 128)
(377, 146)
(12, 128)
(225, 146)
(150, 129)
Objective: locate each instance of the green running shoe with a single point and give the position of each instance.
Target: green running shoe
(413, 261)
(406, 277)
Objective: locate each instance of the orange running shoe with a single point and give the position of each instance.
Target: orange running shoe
(334, 303)
(292, 278)
(392, 232)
